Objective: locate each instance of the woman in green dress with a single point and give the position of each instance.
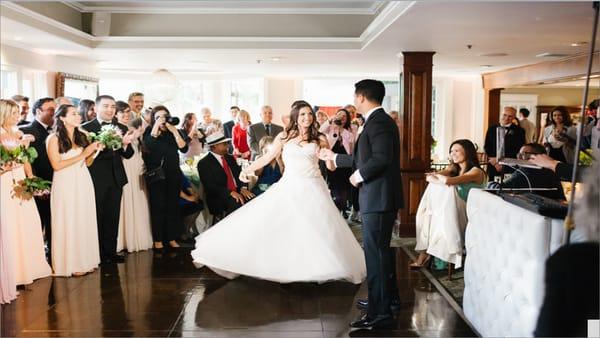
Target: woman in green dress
(441, 216)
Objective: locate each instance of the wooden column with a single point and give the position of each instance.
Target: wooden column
(415, 134)
(491, 109)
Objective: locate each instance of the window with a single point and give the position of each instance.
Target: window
(9, 84)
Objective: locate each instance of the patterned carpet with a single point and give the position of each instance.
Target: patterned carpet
(454, 285)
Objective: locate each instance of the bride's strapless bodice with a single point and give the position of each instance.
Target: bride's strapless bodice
(301, 160)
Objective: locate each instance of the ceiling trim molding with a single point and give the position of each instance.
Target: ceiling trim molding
(73, 4)
(386, 17)
(45, 20)
(226, 43)
(82, 7)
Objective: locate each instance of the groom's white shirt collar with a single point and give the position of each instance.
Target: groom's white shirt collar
(367, 114)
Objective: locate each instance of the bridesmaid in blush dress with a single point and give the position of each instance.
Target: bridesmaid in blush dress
(21, 225)
(134, 220)
(75, 249)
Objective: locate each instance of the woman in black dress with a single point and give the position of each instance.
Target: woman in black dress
(162, 142)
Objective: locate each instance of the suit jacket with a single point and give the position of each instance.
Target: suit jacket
(107, 168)
(256, 132)
(377, 157)
(514, 140)
(571, 295)
(227, 127)
(227, 131)
(213, 178)
(41, 166)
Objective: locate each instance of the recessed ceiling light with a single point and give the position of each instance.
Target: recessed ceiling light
(276, 59)
(551, 55)
(578, 44)
(493, 54)
(18, 38)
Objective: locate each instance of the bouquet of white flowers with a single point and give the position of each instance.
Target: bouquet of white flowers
(110, 136)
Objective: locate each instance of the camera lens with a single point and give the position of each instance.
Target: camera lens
(173, 120)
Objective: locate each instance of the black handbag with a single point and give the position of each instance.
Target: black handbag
(155, 175)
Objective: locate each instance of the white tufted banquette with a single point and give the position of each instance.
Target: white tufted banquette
(507, 247)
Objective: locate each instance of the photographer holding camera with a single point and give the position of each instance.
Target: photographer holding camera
(340, 137)
(163, 176)
(195, 136)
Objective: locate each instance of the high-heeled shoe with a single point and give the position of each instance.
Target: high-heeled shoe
(416, 266)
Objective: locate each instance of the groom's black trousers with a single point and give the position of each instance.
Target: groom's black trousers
(381, 263)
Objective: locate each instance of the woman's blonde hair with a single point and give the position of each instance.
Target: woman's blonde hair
(7, 108)
(242, 114)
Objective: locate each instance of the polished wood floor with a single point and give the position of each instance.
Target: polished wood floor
(164, 295)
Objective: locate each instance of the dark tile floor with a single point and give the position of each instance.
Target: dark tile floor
(164, 295)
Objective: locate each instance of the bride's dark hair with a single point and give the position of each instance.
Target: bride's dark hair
(292, 130)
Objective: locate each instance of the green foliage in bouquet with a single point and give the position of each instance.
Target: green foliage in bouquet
(585, 159)
(110, 136)
(26, 188)
(11, 152)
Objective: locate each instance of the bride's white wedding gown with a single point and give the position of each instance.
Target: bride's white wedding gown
(291, 233)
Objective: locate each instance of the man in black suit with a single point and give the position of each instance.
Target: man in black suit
(228, 126)
(513, 141)
(376, 173)
(108, 176)
(43, 110)
(219, 174)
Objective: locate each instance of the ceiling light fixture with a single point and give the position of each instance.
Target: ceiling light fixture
(551, 55)
(578, 44)
(493, 54)
(276, 59)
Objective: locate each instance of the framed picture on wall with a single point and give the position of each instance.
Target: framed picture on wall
(76, 87)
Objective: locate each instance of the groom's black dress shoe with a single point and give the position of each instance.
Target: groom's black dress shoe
(381, 322)
(363, 304)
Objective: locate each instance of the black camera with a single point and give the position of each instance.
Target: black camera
(172, 120)
(338, 122)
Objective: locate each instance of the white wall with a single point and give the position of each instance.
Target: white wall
(35, 67)
(280, 93)
(459, 112)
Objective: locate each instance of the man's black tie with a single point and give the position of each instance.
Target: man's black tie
(268, 128)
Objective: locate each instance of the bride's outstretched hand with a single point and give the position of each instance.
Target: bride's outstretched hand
(326, 154)
(245, 176)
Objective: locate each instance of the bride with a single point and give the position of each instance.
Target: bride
(293, 232)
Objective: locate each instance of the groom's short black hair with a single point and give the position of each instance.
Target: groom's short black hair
(372, 90)
(101, 97)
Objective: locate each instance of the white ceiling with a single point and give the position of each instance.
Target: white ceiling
(521, 30)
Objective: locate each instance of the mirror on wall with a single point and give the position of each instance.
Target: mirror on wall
(76, 87)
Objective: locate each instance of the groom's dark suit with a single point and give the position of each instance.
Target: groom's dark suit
(108, 176)
(377, 158)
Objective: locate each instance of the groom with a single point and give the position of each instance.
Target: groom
(376, 173)
(109, 177)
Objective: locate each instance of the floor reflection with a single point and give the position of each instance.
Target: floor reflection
(164, 295)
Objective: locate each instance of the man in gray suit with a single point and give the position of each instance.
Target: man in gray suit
(259, 130)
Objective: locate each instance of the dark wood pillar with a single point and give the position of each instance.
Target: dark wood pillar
(491, 110)
(415, 134)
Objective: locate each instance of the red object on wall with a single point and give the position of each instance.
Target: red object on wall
(329, 110)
